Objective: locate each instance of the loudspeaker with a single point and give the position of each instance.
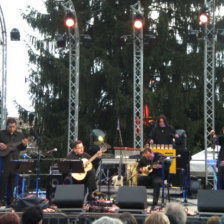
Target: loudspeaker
(52, 182)
(132, 197)
(69, 196)
(210, 201)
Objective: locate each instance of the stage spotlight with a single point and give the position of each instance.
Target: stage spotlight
(203, 18)
(220, 36)
(138, 22)
(193, 36)
(100, 138)
(70, 20)
(97, 137)
(60, 40)
(15, 35)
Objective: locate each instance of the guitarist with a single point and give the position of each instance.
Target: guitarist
(90, 179)
(7, 137)
(150, 170)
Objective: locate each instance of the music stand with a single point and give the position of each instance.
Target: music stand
(71, 166)
(19, 166)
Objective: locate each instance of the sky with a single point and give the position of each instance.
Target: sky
(17, 57)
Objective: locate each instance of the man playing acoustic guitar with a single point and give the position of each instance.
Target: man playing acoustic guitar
(11, 143)
(90, 177)
(150, 169)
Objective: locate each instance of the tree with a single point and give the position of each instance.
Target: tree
(106, 73)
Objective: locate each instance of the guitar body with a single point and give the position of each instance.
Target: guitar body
(11, 147)
(87, 167)
(147, 170)
(118, 182)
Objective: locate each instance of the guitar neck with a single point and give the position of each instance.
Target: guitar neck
(92, 158)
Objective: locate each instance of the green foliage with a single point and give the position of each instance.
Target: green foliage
(106, 71)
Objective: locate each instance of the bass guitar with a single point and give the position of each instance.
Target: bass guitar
(11, 147)
(87, 165)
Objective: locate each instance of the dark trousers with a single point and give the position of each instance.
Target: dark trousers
(7, 180)
(220, 178)
(151, 181)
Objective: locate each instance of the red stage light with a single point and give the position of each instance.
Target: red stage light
(138, 24)
(70, 20)
(203, 18)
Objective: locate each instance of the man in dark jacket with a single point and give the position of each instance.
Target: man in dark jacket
(78, 153)
(150, 169)
(219, 140)
(162, 133)
(12, 141)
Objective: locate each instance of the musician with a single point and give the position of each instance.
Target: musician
(219, 140)
(90, 179)
(9, 136)
(162, 133)
(151, 178)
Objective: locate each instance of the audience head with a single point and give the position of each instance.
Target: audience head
(221, 220)
(214, 220)
(176, 213)
(107, 220)
(32, 215)
(127, 218)
(157, 218)
(10, 218)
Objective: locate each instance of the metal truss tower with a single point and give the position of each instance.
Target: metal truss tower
(3, 68)
(138, 79)
(74, 55)
(209, 81)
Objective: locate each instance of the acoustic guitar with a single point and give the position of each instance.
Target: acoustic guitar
(149, 168)
(87, 165)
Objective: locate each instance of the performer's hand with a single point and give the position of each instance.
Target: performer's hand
(99, 154)
(25, 142)
(221, 164)
(3, 146)
(177, 136)
(144, 171)
(212, 132)
(151, 142)
(157, 166)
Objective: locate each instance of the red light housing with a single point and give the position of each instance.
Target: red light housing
(70, 21)
(138, 24)
(203, 18)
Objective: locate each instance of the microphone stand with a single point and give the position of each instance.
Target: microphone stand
(37, 164)
(163, 178)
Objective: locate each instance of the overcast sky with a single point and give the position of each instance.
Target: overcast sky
(17, 60)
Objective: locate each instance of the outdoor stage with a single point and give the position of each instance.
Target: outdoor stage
(84, 216)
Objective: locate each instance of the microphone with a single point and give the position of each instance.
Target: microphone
(172, 157)
(53, 150)
(25, 156)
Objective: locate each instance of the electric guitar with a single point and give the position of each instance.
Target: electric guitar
(118, 181)
(87, 165)
(11, 147)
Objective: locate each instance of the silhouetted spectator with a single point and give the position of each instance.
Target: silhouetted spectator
(32, 215)
(127, 218)
(176, 213)
(214, 220)
(157, 218)
(10, 218)
(107, 220)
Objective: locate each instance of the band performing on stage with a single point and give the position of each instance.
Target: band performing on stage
(151, 167)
